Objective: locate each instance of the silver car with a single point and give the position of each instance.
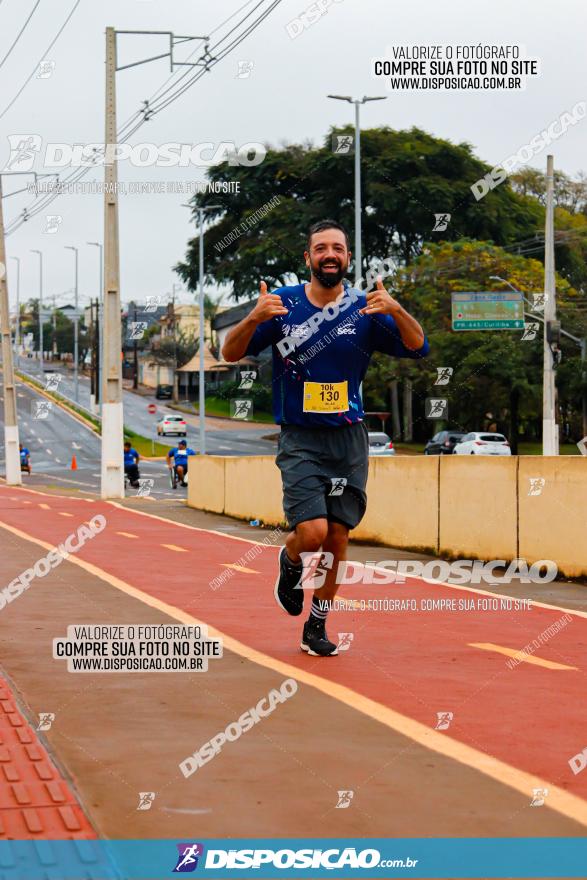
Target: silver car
(380, 444)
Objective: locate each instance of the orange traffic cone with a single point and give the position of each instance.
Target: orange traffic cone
(74, 463)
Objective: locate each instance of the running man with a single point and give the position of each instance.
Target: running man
(177, 458)
(322, 336)
(25, 459)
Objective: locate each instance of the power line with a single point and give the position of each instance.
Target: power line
(141, 116)
(49, 47)
(21, 31)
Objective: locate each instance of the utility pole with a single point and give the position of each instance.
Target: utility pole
(17, 327)
(70, 247)
(54, 323)
(135, 348)
(92, 358)
(584, 377)
(358, 212)
(550, 445)
(112, 471)
(201, 373)
(112, 482)
(41, 313)
(11, 442)
(99, 319)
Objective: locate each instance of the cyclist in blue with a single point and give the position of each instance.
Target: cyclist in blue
(131, 465)
(25, 458)
(177, 458)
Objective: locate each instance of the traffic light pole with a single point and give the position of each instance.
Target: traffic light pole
(11, 442)
(112, 470)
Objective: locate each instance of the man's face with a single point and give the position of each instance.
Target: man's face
(328, 257)
(127, 447)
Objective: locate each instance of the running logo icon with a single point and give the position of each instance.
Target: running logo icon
(444, 719)
(441, 222)
(538, 796)
(537, 484)
(46, 719)
(247, 377)
(146, 799)
(344, 800)
(530, 330)
(189, 855)
(53, 222)
(343, 143)
(539, 302)
(23, 151)
(338, 485)
(344, 641)
(444, 375)
(436, 408)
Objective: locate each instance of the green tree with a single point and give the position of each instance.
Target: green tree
(407, 177)
(494, 371)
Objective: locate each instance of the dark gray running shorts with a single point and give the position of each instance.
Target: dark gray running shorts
(324, 473)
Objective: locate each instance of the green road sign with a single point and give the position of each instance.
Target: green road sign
(487, 311)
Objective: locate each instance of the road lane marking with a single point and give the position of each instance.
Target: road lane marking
(64, 513)
(240, 568)
(563, 802)
(519, 655)
(175, 548)
(45, 506)
(127, 534)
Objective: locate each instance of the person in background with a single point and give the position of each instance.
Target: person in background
(131, 464)
(177, 458)
(25, 459)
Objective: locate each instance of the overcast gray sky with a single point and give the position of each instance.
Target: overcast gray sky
(283, 99)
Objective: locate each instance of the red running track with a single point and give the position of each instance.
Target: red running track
(417, 663)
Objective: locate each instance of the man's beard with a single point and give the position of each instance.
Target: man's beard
(330, 277)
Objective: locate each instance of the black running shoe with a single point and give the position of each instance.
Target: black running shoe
(315, 641)
(286, 596)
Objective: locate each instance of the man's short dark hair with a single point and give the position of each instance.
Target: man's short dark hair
(182, 443)
(321, 225)
(127, 443)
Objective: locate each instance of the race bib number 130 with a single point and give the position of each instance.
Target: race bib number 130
(326, 397)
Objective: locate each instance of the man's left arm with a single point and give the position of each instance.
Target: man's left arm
(379, 301)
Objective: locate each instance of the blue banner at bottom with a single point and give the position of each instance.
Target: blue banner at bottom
(303, 858)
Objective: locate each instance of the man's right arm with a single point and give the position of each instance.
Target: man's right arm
(237, 340)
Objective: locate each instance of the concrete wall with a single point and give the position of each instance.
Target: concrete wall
(451, 505)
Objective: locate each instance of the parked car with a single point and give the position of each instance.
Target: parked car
(171, 425)
(164, 392)
(380, 444)
(483, 443)
(443, 443)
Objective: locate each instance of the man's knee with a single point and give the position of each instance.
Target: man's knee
(337, 539)
(312, 534)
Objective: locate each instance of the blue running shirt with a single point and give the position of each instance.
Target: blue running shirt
(332, 345)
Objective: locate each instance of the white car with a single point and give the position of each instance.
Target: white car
(171, 425)
(380, 443)
(483, 443)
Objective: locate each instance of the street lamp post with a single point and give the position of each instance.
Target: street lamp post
(70, 247)
(201, 378)
(358, 225)
(17, 326)
(100, 323)
(41, 365)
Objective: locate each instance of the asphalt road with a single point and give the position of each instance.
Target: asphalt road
(55, 439)
(223, 437)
